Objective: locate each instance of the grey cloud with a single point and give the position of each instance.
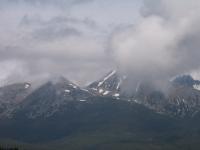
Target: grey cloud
(153, 8)
(162, 42)
(59, 3)
(86, 22)
(52, 33)
(43, 45)
(57, 27)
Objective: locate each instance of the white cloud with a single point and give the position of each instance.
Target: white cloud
(163, 42)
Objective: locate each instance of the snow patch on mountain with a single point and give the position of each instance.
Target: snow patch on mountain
(27, 85)
(100, 91)
(67, 91)
(107, 77)
(116, 95)
(73, 85)
(82, 100)
(106, 92)
(119, 84)
(197, 87)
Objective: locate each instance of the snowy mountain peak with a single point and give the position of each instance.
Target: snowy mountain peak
(109, 85)
(184, 80)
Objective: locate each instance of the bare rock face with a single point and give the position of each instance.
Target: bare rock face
(11, 96)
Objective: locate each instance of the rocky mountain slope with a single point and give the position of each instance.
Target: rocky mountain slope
(61, 109)
(11, 96)
(181, 100)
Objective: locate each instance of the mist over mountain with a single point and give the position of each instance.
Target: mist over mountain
(100, 75)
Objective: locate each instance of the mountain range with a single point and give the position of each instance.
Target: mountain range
(60, 110)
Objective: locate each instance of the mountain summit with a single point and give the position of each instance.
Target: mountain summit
(109, 85)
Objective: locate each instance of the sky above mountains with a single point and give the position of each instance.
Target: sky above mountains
(84, 39)
(59, 37)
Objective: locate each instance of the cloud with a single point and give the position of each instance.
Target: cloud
(162, 43)
(44, 3)
(11, 70)
(45, 42)
(51, 33)
(57, 27)
(72, 37)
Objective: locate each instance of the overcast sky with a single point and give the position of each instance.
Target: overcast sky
(59, 37)
(84, 39)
